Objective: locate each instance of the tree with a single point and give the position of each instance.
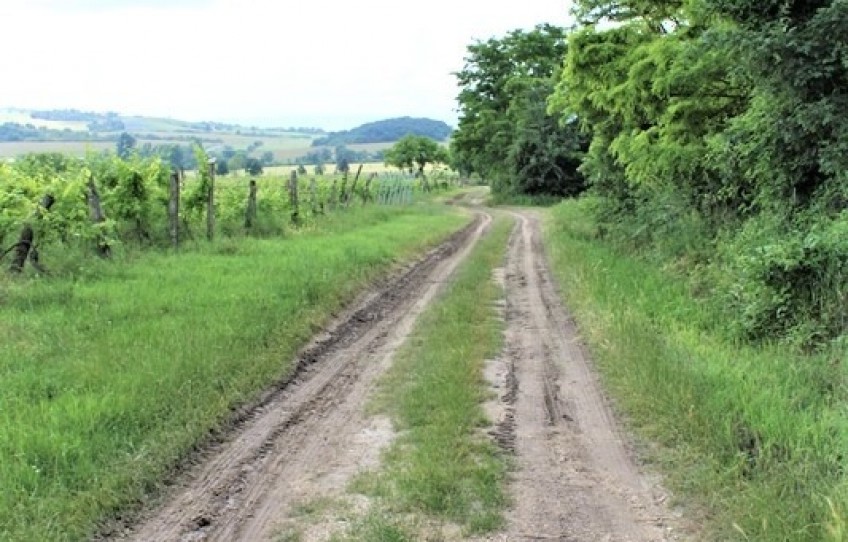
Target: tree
(221, 167)
(267, 158)
(253, 166)
(343, 159)
(416, 152)
(496, 81)
(545, 154)
(126, 144)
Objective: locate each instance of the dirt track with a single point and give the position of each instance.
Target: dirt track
(574, 478)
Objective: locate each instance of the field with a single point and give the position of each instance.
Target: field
(20, 117)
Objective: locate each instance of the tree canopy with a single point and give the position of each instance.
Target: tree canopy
(505, 133)
(722, 123)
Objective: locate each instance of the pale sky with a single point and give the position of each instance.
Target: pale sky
(327, 63)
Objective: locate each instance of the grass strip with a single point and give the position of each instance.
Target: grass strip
(442, 465)
(753, 438)
(107, 383)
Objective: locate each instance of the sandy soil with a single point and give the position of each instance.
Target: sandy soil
(575, 477)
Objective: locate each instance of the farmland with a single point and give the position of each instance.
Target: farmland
(94, 353)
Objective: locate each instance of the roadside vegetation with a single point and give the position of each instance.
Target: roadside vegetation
(708, 257)
(752, 437)
(442, 467)
(111, 378)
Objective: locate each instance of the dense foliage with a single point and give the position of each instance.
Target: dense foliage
(719, 136)
(385, 131)
(505, 133)
(414, 153)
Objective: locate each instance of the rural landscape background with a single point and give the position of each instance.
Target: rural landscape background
(565, 270)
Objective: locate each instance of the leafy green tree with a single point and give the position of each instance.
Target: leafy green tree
(343, 159)
(414, 153)
(124, 147)
(253, 166)
(498, 87)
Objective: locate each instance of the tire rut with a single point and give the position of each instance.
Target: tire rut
(575, 479)
(301, 438)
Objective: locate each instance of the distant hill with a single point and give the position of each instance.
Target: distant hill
(76, 125)
(384, 131)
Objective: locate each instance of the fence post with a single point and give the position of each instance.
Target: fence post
(313, 194)
(295, 215)
(250, 211)
(97, 216)
(343, 192)
(210, 202)
(25, 247)
(366, 194)
(334, 193)
(350, 195)
(174, 208)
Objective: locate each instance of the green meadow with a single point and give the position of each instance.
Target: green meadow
(112, 376)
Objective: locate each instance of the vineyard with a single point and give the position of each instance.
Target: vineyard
(53, 203)
(120, 353)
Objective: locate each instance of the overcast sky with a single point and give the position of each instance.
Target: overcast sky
(326, 63)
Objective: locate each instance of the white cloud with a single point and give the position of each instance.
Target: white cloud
(323, 62)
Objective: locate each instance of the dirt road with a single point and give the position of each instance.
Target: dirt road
(312, 435)
(574, 478)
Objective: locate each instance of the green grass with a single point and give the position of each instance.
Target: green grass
(754, 438)
(441, 465)
(106, 383)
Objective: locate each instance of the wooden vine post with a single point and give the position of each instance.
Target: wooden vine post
(98, 217)
(313, 194)
(174, 208)
(353, 187)
(250, 212)
(210, 202)
(25, 247)
(366, 194)
(343, 191)
(295, 215)
(334, 194)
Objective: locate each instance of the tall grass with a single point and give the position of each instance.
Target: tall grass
(754, 438)
(441, 465)
(106, 383)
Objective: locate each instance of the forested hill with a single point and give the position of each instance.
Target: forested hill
(386, 131)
